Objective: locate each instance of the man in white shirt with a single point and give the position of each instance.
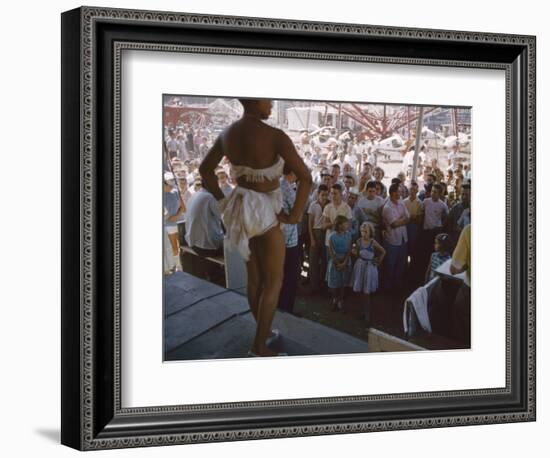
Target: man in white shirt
(184, 189)
(349, 183)
(336, 174)
(452, 157)
(408, 159)
(347, 169)
(422, 157)
(395, 218)
(369, 208)
(435, 210)
(305, 146)
(324, 178)
(359, 147)
(378, 176)
(372, 158)
(429, 180)
(435, 216)
(203, 224)
(336, 207)
(366, 176)
(203, 147)
(172, 144)
(181, 147)
(351, 159)
(317, 248)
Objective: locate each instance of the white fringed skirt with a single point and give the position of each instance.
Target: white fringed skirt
(247, 213)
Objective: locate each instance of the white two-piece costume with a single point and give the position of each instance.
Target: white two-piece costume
(247, 213)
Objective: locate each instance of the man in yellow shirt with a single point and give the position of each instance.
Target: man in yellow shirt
(461, 262)
(461, 255)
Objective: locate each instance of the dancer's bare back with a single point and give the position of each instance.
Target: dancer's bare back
(252, 143)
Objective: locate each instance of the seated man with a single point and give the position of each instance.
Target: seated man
(203, 224)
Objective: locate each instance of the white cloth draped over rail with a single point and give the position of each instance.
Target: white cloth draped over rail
(418, 301)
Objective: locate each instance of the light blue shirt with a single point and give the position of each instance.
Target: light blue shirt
(203, 222)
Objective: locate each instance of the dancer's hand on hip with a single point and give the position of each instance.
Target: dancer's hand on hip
(287, 219)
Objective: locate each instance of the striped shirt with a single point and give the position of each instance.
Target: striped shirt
(436, 260)
(289, 197)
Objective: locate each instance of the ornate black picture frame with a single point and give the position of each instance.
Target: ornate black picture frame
(92, 42)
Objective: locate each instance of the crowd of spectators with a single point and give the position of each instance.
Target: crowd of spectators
(362, 231)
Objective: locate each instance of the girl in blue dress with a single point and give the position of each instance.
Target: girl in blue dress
(339, 264)
(370, 255)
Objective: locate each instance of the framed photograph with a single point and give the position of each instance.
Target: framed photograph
(274, 228)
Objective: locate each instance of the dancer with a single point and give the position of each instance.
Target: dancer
(252, 212)
(370, 255)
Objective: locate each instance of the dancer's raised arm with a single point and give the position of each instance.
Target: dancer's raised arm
(294, 162)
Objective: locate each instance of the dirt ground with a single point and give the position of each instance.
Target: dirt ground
(386, 314)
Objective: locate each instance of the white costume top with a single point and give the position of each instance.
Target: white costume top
(259, 175)
(247, 213)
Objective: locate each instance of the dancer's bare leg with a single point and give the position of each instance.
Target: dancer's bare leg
(254, 281)
(271, 261)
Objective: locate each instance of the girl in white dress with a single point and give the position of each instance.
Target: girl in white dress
(370, 255)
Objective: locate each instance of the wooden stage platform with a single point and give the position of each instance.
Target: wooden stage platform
(207, 321)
